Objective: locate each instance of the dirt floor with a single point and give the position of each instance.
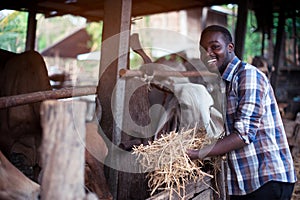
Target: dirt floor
(292, 128)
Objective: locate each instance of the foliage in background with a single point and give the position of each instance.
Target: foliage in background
(94, 29)
(13, 27)
(253, 40)
(292, 41)
(252, 46)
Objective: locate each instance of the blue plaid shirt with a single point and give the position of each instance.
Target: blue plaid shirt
(252, 112)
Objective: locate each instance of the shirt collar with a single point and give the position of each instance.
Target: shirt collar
(231, 68)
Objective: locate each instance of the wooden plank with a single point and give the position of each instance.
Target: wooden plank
(63, 147)
(219, 181)
(200, 189)
(204, 195)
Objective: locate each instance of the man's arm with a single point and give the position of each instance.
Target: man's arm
(222, 146)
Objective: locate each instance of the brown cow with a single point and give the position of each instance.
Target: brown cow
(20, 129)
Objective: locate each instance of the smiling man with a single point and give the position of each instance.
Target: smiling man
(260, 164)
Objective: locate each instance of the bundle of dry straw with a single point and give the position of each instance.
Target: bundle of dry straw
(166, 160)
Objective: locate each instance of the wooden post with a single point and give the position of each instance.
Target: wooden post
(114, 56)
(241, 25)
(31, 31)
(63, 147)
(278, 52)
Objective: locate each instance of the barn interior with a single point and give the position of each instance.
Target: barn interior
(117, 18)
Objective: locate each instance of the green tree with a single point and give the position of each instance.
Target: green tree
(253, 39)
(13, 31)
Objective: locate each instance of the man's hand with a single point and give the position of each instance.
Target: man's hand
(200, 153)
(194, 154)
(222, 146)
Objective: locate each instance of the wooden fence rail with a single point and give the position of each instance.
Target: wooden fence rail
(159, 73)
(22, 99)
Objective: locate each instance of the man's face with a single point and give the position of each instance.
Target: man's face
(215, 53)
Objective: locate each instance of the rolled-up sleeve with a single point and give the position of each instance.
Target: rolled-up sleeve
(250, 96)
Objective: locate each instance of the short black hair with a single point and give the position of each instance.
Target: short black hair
(221, 29)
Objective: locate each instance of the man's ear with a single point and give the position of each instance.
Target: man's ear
(231, 47)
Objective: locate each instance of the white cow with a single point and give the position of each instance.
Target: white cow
(195, 105)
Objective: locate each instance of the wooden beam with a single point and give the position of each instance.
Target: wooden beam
(31, 31)
(278, 60)
(241, 25)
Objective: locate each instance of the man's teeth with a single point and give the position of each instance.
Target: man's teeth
(212, 60)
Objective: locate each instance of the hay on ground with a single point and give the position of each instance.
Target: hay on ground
(166, 160)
